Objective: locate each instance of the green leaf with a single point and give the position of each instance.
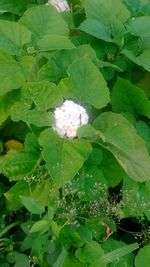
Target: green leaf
(133, 5)
(34, 116)
(144, 131)
(21, 259)
(40, 226)
(13, 37)
(11, 75)
(41, 192)
(12, 195)
(143, 257)
(15, 6)
(90, 252)
(61, 259)
(56, 67)
(63, 157)
(6, 103)
(29, 65)
(15, 164)
(32, 205)
(54, 42)
(87, 83)
(104, 10)
(31, 144)
(86, 131)
(139, 26)
(125, 261)
(119, 136)
(115, 254)
(43, 20)
(72, 261)
(127, 97)
(111, 169)
(97, 29)
(142, 60)
(44, 94)
(135, 199)
(91, 184)
(85, 234)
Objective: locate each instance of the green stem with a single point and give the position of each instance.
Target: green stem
(6, 229)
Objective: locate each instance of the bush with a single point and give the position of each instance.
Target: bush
(75, 189)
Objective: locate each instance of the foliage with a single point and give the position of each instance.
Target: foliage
(83, 202)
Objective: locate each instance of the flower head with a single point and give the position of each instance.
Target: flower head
(68, 118)
(61, 5)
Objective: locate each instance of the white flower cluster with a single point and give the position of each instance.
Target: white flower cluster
(61, 5)
(68, 118)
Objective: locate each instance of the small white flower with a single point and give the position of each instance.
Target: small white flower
(61, 5)
(68, 118)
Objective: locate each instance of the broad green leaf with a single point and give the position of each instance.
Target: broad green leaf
(15, 6)
(29, 66)
(111, 19)
(142, 60)
(119, 136)
(43, 20)
(106, 11)
(54, 42)
(87, 83)
(13, 37)
(97, 29)
(32, 205)
(143, 257)
(28, 186)
(85, 233)
(34, 116)
(63, 157)
(57, 66)
(44, 94)
(115, 254)
(72, 261)
(97, 226)
(111, 169)
(139, 26)
(125, 261)
(86, 131)
(90, 252)
(11, 75)
(127, 97)
(15, 164)
(12, 195)
(21, 259)
(6, 103)
(31, 143)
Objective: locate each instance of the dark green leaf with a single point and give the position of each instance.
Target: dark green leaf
(127, 97)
